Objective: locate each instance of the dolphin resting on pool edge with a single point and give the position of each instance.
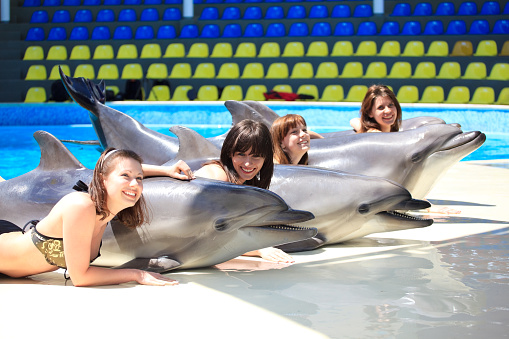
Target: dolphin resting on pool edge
(195, 223)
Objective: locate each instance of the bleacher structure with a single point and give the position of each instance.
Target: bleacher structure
(433, 52)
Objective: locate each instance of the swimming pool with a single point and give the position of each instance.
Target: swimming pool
(67, 121)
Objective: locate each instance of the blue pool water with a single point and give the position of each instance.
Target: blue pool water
(67, 121)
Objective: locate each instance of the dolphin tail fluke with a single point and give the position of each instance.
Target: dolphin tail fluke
(158, 265)
(87, 94)
(54, 155)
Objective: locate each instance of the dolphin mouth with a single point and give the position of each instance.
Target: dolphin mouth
(399, 216)
(463, 139)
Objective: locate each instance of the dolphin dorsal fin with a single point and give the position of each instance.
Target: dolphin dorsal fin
(54, 155)
(267, 113)
(192, 145)
(240, 111)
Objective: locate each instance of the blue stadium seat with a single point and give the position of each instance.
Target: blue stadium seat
(79, 33)
(501, 27)
(296, 12)
(57, 33)
(490, 8)
(61, 16)
(411, 28)
(83, 15)
(445, 9)
(232, 31)
(251, 1)
(423, 9)
(231, 13)
(71, 3)
(166, 32)
(105, 15)
(91, 2)
(132, 2)
(468, 8)
(31, 3)
(213, 1)
(127, 14)
(144, 32)
(274, 13)
(35, 34)
(112, 2)
(152, 2)
(341, 11)
(40, 16)
(390, 28)
(51, 3)
(367, 28)
(273, 0)
(210, 31)
(456, 27)
(232, 1)
(275, 30)
(318, 11)
(172, 2)
(321, 29)
(101, 33)
(362, 11)
(343, 28)
(149, 14)
(506, 8)
(253, 30)
(401, 9)
(189, 31)
(479, 27)
(434, 27)
(209, 13)
(172, 14)
(123, 32)
(253, 13)
(298, 29)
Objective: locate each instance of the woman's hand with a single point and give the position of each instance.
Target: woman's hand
(181, 171)
(155, 279)
(272, 254)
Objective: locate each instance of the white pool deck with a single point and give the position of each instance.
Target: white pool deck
(405, 284)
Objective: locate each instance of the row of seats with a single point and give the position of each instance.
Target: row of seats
(38, 3)
(331, 93)
(448, 8)
(106, 15)
(280, 70)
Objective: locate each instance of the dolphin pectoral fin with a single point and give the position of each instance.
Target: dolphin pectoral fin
(84, 92)
(303, 245)
(158, 265)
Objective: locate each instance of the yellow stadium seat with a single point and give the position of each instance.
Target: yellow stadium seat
(35, 95)
(327, 70)
(503, 97)
(413, 49)
(390, 49)
(229, 71)
(333, 93)
(132, 71)
(108, 72)
(432, 94)
(34, 53)
(151, 51)
(36, 72)
(127, 51)
(255, 92)
(449, 70)
(483, 95)
(208, 93)
(366, 48)
(55, 74)
(253, 70)
(222, 50)
(198, 50)
(277, 70)
(85, 71)
(342, 48)
(400, 70)
(159, 93)
(408, 94)
(180, 93)
(80, 52)
(293, 49)
(269, 50)
(57, 52)
(302, 70)
(232, 92)
(462, 48)
(486, 48)
(500, 71)
(376, 70)
(318, 49)
(425, 70)
(181, 71)
(356, 93)
(309, 90)
(352, 69)
(475, 70)
(245, 50)
(175, 50)
(157, 71)
(438, 48)
(458, 95)
(282, 88)
(205, 70)
(103, 52)
(505, 49)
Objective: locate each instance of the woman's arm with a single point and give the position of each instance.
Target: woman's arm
(271, 254)
(212, 171)
(178, 171)
(314, 135)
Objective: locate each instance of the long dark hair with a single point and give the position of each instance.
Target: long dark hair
(374, 92)
(132, 216)
(280, 128)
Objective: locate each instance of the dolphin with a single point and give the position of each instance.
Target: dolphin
(193, 224)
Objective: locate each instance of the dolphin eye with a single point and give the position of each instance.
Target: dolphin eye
(221, 225)
(363, 209)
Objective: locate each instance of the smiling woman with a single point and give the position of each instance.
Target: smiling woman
(291, 140)
(380, 111)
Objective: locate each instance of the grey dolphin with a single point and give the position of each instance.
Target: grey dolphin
(194, 223)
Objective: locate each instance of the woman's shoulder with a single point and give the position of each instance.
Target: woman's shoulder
(212, 171)
(77, 200)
